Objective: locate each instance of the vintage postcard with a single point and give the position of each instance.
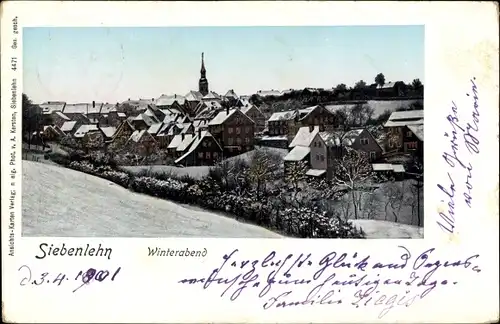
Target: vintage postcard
(249, 162)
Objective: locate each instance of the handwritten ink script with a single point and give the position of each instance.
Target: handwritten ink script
(462, 132)
(62, 250)
(82, 278)
(305, 279)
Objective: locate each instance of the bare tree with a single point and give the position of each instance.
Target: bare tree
(353, 171)
(262, 167)
(295, 175)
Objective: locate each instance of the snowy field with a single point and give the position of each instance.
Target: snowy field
(66, 203)
(376, 229)
(196, 172)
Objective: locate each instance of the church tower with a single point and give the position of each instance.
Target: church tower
(203, 83)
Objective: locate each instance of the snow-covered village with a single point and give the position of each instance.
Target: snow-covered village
(342, 161)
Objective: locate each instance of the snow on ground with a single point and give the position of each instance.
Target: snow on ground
(196, 172)
(380, 106)
(66, 203)
(377, 229)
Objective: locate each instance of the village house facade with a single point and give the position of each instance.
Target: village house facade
(204, 150)
(405, 132)
(233, 130)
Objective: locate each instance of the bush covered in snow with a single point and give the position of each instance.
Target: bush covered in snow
(272, 211)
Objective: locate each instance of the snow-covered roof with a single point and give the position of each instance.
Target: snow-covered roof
(306, 111)
(137, 135)
(315, 172)
(68, 126)
(274, 138)
(149, 120)
(244, 109)
(298, 153)
(330, 138)
(84, 129)
(231, 94)
(82, 108)
(155, 128)
(399, 123)
(169, 100)
(188, 139)
(211, 95)
(109, 131)
(193, 96)
(282, 115)
(50, 106)
(175, 142)
(222, 116)
(196, 142)
(304, 136)
(418, 130)
(107, 108)
(185, 128)
(63, 116)
(407, 114)
(120, 114)
(388, 167)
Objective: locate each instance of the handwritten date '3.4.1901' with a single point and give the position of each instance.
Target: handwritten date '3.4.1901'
(82, 277)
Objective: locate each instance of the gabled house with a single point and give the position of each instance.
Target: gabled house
(70, 127)
(269, 93)
(51, 133)
(362, 140)
(174, 143)
(192, 100)
(204, 150)
(122, 135)
(211, 96)
(405, 132)
(142, 143)
(108, 132)
(84, 129)
(205, 108)
(392, 89)
(185, 143)
(256, 115)
(58, 118)
(171, 102)
(300, 147)
(51, 106)
(233, 130)
(90, 110)
(231, 98)
(142, 121)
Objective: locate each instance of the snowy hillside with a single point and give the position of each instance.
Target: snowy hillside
(62, 202)
(376, 229)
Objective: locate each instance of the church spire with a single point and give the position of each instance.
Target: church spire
(203, 83)
(203, 70)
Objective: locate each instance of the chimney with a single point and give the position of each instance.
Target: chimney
(128, 99)
(182, 136)
(311, 128)
(227, 110)
(152, 99)
(199, 132)
(175, 95)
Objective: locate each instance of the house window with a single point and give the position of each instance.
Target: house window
(229, 130)
(317, 157)
(204, 144)
(319, 144)
(247, 130)
(373, 155)
(399, 144)
(315, 144)
(364, 141)
(409, 134)
(238, 140)
(230, 141)
(207, 154)
(247, 140)
(215, 155)
(238, 130)
(200, 155)
(322, 158)
(209, 144)
(315, 121)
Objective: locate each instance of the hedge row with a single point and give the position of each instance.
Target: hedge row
(296, 222)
